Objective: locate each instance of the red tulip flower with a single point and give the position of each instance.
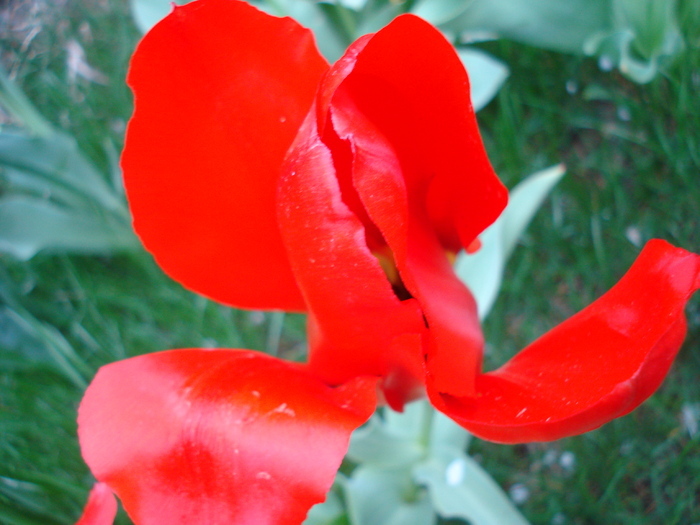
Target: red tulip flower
(265, 178)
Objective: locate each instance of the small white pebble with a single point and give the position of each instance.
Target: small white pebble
(634, 235)
(549, 458)
(605, 63)
(209, 343)
(558, 519)
(256, 318)
(626, 448)
(519, 493)
(624, 114)
(690, 416)
(567, 460)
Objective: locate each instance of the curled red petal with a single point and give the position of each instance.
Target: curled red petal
(358, 326)
(222, 437)
(409, 82)
(422, 175)
(101, 507)
(220, 92)
(598, 365)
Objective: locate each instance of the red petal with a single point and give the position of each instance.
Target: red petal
(422, 174)
(408, 81)
(220, 92)
(598, 365)
(101, 507)
(357, 324)
(221, 437)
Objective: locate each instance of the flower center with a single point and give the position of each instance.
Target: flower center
(386, 260)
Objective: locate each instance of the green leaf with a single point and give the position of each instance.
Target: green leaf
(486, 75)
(439, 11)
(525, 199)
(644, 34)
(33, 342)
(20, 347)
(460, 488)
(330, 512)
(376, 15)
(29, 225)
(15, 101)
(653, 24)
(332, 25)
(400, 439)
(446, 434)
(409, 423)
(554, 24)
(377, 496)
(55, 199)
(392, 441)
(482, 272)
(148, 13)
(58, 163)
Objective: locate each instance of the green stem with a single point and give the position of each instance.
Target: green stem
(426, 426)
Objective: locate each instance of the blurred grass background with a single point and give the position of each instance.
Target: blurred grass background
(633, 158)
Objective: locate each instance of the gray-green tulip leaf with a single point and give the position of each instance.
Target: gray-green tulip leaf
(29, 225)
(482, 272)
(380, 496)
(486, 75)
(460, 488)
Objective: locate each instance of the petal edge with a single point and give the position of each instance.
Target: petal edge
(220, 91)
(205, 436)
(598, 365)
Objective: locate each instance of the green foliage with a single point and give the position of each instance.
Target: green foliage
(644, 33)
(413, 467)
(379, 496)
(486, 75)
(52, 197)
(637, 36)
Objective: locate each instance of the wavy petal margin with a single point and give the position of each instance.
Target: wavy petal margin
(222, 437)
(596, 366)
(220, 92)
